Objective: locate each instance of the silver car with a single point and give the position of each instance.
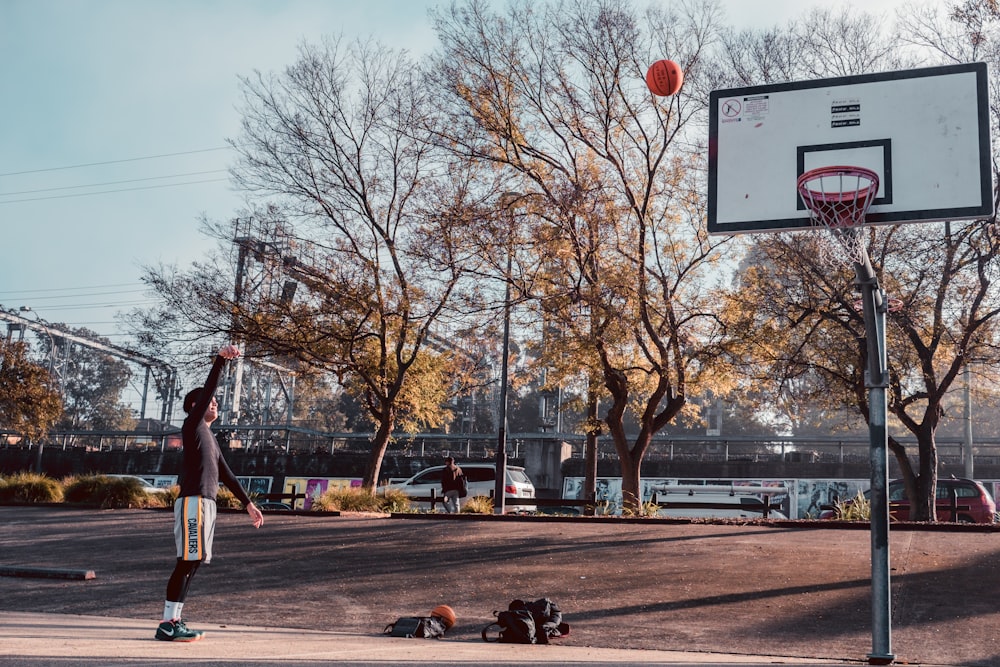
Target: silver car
(481, 478)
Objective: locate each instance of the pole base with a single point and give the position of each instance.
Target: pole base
(881, 659)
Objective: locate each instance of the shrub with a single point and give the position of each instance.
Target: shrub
(110, 492)
(170, 496)
(83, 489)
(357, 499)
(226, 500)
(858, 508)
(649, 508)
(394, 500)
(602, 507)
(478, 505)
(28, 487)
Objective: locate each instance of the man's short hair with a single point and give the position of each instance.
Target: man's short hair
(191, 398)
(449, 459)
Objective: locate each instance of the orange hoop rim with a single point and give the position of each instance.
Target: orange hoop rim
(838, 198)
(839, 171)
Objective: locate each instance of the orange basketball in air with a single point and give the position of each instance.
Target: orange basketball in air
(664, 78)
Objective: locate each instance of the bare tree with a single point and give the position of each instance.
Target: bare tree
(361, 235)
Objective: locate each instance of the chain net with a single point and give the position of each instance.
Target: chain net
(838, 199)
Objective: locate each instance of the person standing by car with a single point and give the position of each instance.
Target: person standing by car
(451, 486)
(202, 468)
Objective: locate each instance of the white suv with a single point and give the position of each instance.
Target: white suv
(481, 478)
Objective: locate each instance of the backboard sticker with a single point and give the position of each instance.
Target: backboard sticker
(845, 113)
(756, 106)
(732, 110)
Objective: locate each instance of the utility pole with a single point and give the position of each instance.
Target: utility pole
(967, 424)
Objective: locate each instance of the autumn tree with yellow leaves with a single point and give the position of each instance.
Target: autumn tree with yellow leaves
(606, 177)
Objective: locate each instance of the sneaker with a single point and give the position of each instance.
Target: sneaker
(176, 631)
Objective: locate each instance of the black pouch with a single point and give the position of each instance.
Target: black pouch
(408, 626)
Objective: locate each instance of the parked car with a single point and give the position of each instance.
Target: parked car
(144, 483)
(481, 478)
(273, 506)
(973, 502)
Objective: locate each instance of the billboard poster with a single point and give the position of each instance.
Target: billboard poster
(315, 487)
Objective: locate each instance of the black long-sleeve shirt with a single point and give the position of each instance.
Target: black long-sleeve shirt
(203, 465)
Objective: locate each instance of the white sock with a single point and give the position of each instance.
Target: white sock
(172, 610)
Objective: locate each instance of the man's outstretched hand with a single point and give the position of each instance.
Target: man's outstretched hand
(229, 352)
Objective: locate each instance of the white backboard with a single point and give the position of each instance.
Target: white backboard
(924, 131)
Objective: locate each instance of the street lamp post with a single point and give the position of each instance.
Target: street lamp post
(507, 199)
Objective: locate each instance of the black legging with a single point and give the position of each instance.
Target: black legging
(180, 579)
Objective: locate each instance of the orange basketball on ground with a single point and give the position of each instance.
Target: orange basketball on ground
(664, 78)
(446, 614)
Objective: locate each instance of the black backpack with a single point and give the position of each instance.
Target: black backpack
(416, 626)
(515, 626)
(548, 617)
(528, 623)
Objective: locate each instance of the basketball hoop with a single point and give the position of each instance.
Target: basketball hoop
(838, 198)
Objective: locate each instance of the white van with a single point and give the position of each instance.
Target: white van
(481, 478)
(693, 501)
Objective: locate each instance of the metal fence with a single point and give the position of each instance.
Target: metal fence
(291, 440)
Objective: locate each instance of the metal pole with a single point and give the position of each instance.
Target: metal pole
(499, 495)
(967, 430)
(507, 200)
(145, 391)
(876, 380)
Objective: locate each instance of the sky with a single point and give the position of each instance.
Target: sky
(115, 120)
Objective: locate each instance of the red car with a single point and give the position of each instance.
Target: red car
(972, 502)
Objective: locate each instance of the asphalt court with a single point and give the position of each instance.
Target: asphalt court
(639, 592)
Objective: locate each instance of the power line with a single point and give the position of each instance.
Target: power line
(97, 185)
(133, 159)
(96, 305)
(67, 289)
(63, 296)
(105, 192)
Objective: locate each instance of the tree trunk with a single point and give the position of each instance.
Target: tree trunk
(924, 505)
(631, 480)
(630, 460)
(617, 386)
(380, 443)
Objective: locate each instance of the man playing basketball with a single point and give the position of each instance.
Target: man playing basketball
(203, 467)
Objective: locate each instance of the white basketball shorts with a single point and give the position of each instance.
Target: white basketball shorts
(194, 527)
